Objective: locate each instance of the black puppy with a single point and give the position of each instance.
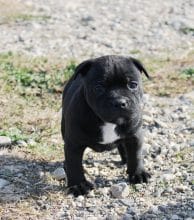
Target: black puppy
(101, 110)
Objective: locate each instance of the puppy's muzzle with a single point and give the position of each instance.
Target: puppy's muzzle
(121, 104)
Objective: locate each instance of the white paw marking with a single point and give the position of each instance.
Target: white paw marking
(109, 134)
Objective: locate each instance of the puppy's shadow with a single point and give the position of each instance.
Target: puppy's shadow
(102, 181)
(106, 180)
(26, 178)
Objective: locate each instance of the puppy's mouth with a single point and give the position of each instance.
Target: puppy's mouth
(120, 121)
(127, 126)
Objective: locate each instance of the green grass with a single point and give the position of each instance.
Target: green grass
(187, 30)
(36, 75)
(15, 134)
(170, 76)
(187, 73)
(19, 17)
(29, 17)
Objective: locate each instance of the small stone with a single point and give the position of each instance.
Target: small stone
(31, 142)
(145, 150)
(192, 143)
(120, 190)
(91, 194)
(92, 218)
(181, 188)
(150, 216)
(157, 193)
(154, 210)
(176, 148)
(138, 187)
(22, 143)
(127, 217)
(5, 141)
(175, 217)
(80, 198)
(160, 123)
(111, 217)
(59, 174)
(167, 176)
(104, 191)
(162, 208)
(3, 183)
(127, 202)
(147, 119)
(169, 190)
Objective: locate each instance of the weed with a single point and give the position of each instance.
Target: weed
(188, 73)
(187, 30)
(15, 134)
(37, 75)
(29, 17)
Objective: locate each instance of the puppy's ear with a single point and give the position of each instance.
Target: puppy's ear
(83, 68)
(140, 66)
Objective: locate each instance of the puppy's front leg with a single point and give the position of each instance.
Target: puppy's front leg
(77, 183)
(135, 168)
(122, 153)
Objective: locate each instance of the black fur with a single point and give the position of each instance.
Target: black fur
(103, 90)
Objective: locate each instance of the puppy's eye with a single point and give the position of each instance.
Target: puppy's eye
(132, 85)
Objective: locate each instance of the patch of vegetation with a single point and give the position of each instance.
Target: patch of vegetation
(19, 17)
(15, 134)
(47, 151)
(188, 73)
(169, 76)
(134, 51)
(37, 75)
(187, 30)
(29, 17)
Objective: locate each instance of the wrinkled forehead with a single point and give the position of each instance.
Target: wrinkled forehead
(114, 70)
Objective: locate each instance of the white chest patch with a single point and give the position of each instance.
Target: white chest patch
(109, 134)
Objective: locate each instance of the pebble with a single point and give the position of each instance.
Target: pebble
(154, 210)
(160, 123)
(22, 143)
(127, 202)
(127, 217)
(147, 119)
(5, 141)
(146, 149)
(181, 188)
(59, 174)
(31, 142)
(167, 176)
(111, 217)
(150, 216)
(3, 183)
(192, 143)
(175, 217)
(162, 208)
(120, 190)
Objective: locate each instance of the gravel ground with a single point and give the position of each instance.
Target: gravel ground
(168, 152)
(81, 29)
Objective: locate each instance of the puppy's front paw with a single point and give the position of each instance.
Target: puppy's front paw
(80, 189)
(139, 177)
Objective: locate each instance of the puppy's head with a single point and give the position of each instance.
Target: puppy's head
(113, 88)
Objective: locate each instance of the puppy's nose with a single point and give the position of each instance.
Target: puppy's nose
(121, 103)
